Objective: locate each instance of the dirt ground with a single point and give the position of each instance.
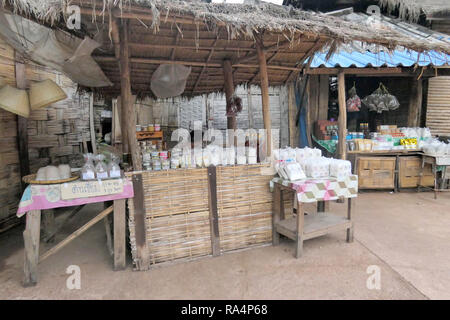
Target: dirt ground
(405, 236)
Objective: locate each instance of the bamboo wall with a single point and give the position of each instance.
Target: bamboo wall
(54, 133)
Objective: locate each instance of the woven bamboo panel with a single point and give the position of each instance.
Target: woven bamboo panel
(176, 215)
(175, 191)
(242, 185)
(244, 204)
(244, 226)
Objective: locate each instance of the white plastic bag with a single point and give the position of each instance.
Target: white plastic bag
(169, 80)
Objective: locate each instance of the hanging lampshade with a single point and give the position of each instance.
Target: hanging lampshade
(44, 93)
(15, 100)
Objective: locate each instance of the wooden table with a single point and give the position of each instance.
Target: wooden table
(435, 161)
(37, 198)
(300, 227)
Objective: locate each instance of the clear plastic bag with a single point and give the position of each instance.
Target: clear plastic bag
(101, 170)
(169, 80)
(88, 169)
(113, 166)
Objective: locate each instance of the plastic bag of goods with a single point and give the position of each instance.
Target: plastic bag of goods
(252, 157)
(64, 171)
(353, 102)
(317, 167)
(216, 154)
(294, 171)
(240, 156)
(340, 168)
(300, 154)
(231, 156)
(100, 168)
(88, 169)
(113, 166)
(206, 157)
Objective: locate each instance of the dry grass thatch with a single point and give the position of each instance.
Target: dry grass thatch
(202, 35)
(411, 9)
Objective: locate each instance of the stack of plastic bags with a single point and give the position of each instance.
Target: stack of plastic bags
(297, 164)
(340, 168)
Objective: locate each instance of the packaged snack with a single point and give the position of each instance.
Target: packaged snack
(88, 170)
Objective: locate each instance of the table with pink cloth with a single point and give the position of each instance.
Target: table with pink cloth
(43, 197)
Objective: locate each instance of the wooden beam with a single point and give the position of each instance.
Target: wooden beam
(172, 54)
(194, 63)
(200, 48)
(254, 56)
(229, 90)
(204, 67)
(264, 83)
(128, 112)
(415, 103)
(75, 234)
(257, 73)
(309, 54)
(342, 120)
(22, 123)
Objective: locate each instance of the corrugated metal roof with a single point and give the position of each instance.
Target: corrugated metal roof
(360, 55)
(397, 58)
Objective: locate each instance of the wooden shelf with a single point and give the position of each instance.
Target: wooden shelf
(315, 225)
(143, 135)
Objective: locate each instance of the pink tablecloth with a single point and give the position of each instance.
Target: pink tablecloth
(42, 197)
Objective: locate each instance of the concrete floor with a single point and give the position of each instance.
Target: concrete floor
(406, 235)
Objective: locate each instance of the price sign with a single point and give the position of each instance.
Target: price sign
(86, 189)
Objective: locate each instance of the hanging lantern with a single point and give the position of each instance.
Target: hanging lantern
(15, 100)
(44, 93)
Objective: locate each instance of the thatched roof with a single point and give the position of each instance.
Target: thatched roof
(202, 35)
(411, 9)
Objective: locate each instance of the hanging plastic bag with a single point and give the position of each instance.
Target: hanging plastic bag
(353, 102)
(169, 80)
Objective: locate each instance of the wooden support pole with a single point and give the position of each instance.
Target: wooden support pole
(342, 121)
(22, 124)
(31, 237)
(292, 116)
(128, 112)
(119, 234)
(415, 103)
(324, 89)
(229, 90)
(114, 28)
(265, 95)
(213, 213)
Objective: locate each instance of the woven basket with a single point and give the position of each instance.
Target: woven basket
(31, 179)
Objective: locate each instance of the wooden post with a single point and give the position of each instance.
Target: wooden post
(213, 213)
(415, 103)
(119, 234)
(142, 253)
(324, 88)
(229, 90)
(128, 113)
(22, 125)
(117, 52)
(31, 237)
(342, 121)
(292, 116)
(265, 94)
